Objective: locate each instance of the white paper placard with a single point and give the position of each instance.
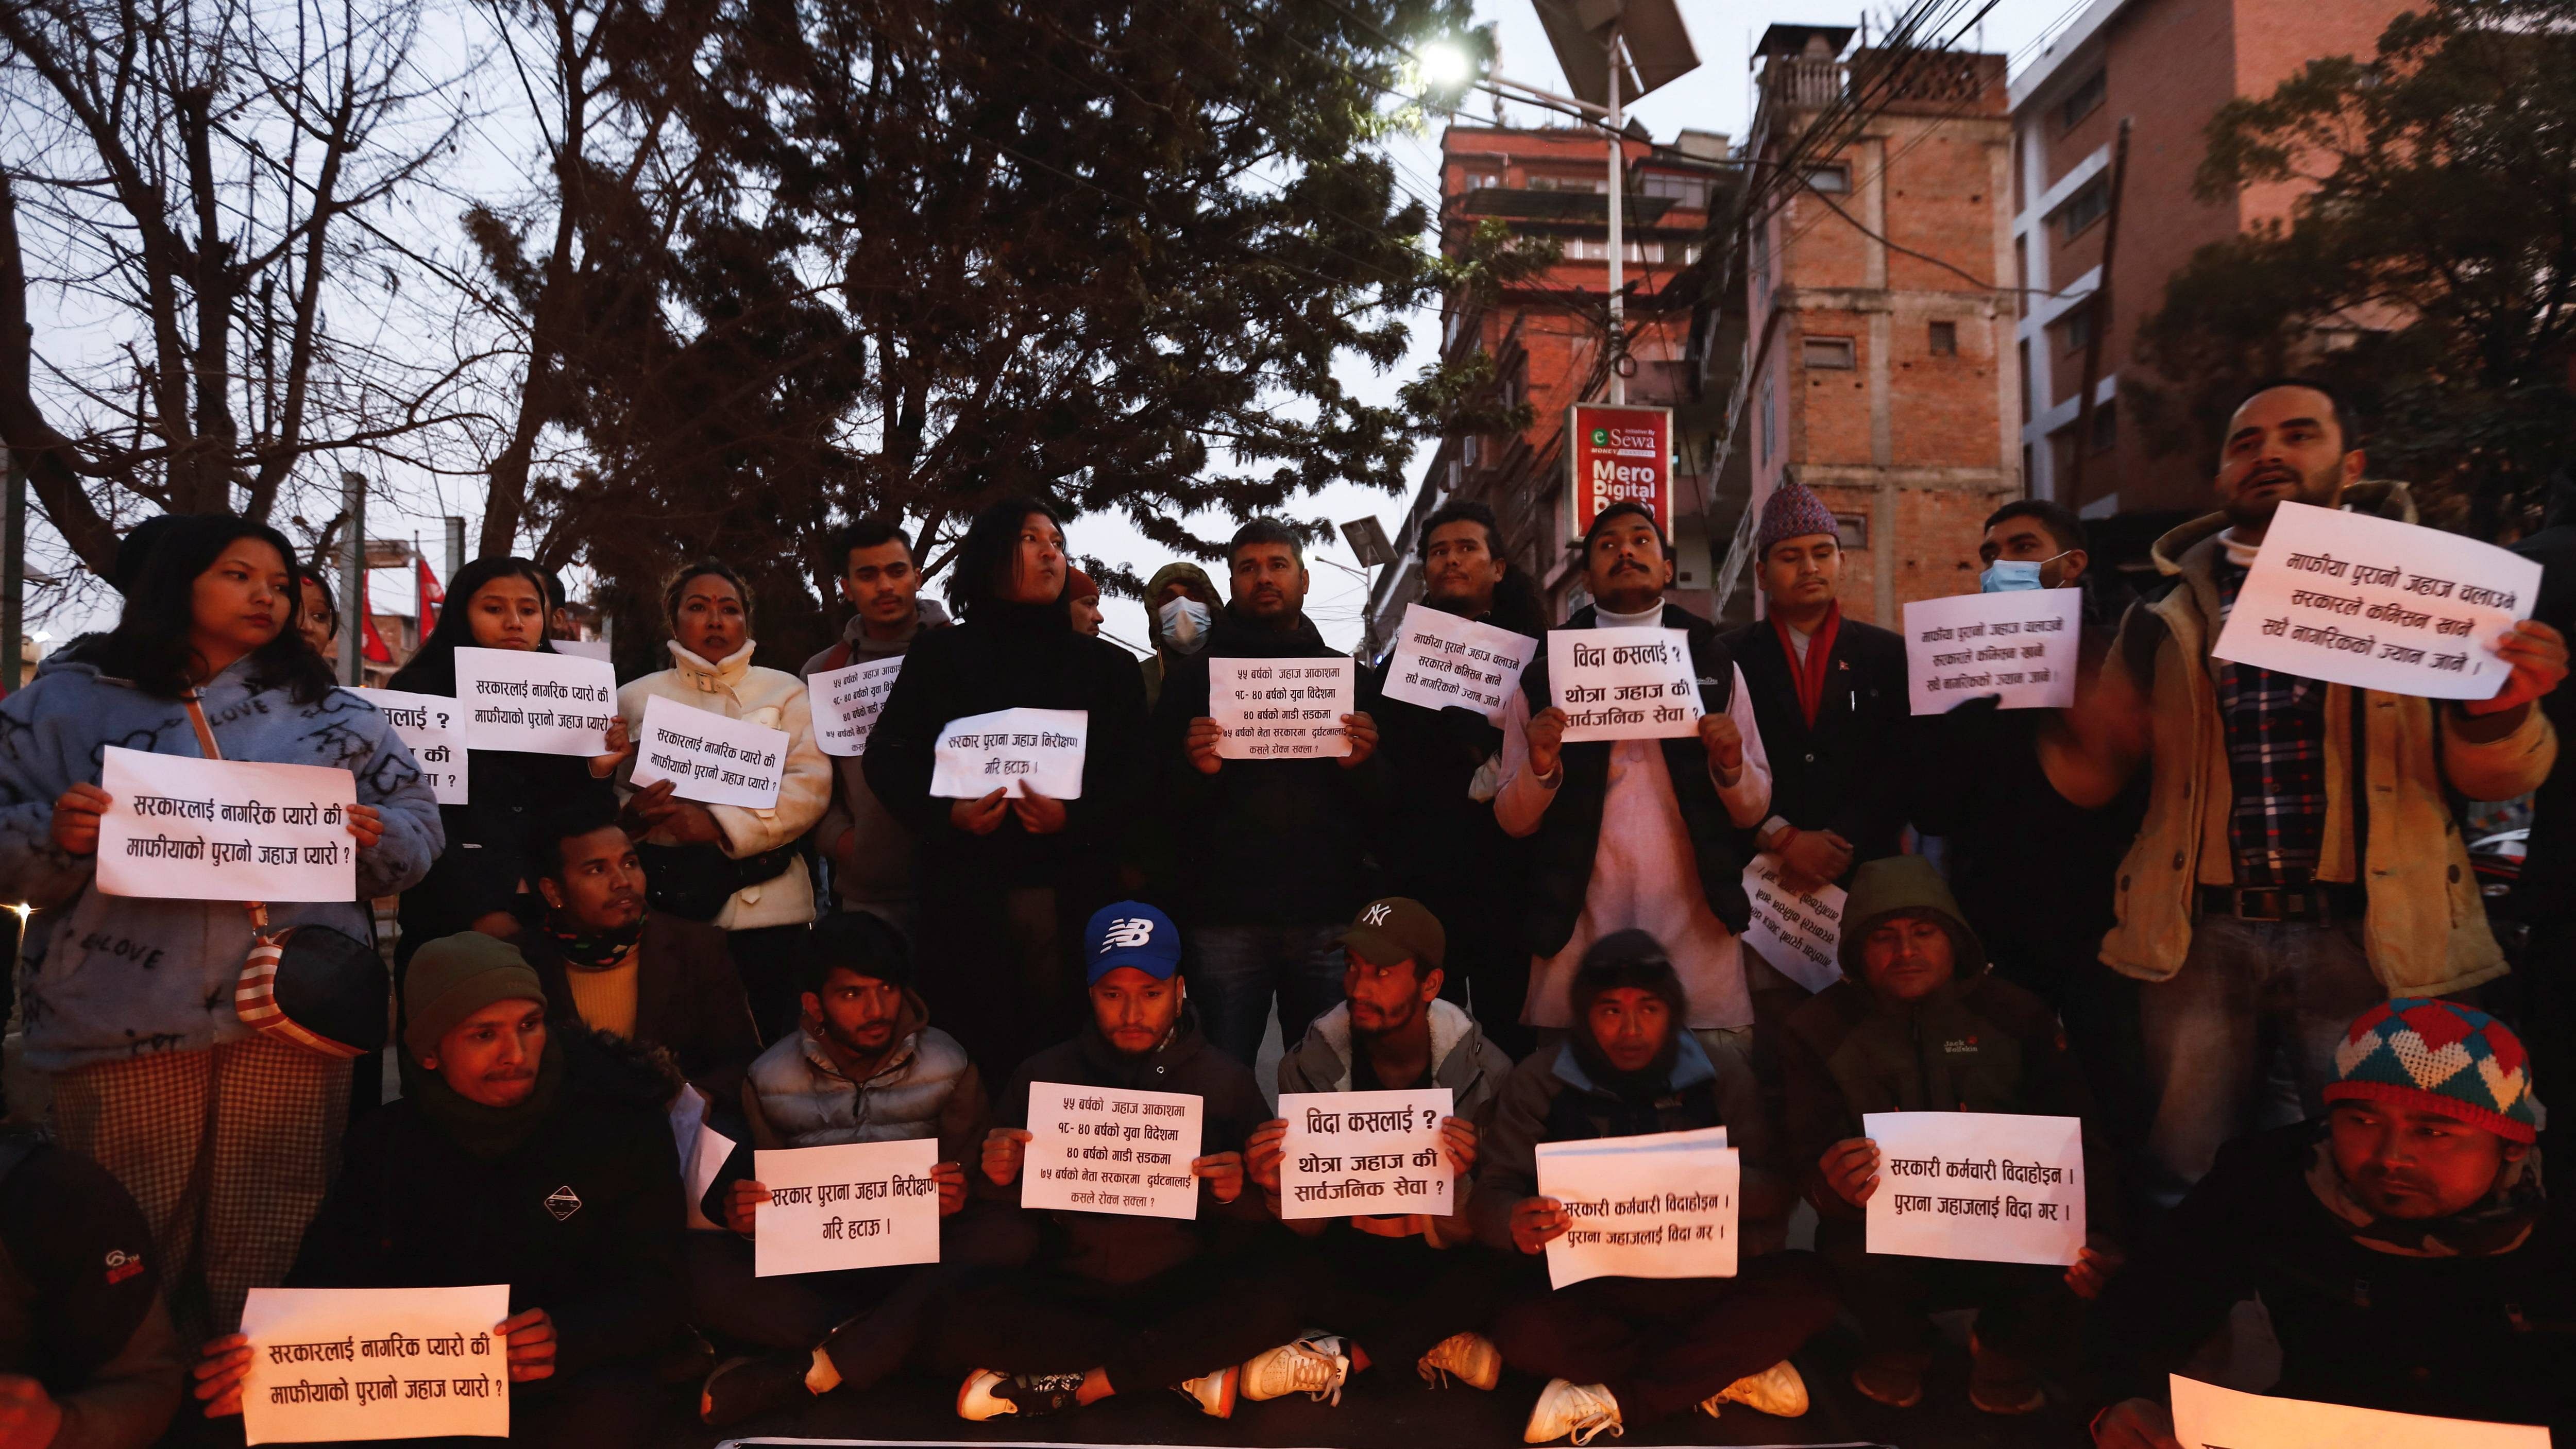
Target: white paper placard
(1110, 1150)
(1797, 932)
(1662, 1205)
(848, 701)
(582, 648)
(1623, 684)
(538, 704)
(1992, 1187)
(1281, 709)
(851, 1205)
(702, 1149)
(2209, 1417)
(2378, 604)
(1365, 1154)
(1442, 660)
(187, 829)
(432, 727)
(707, 757)
(331, 1364)
(2021, 645)
(1018, 751)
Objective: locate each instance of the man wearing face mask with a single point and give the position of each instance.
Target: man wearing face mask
(2298, 861)
(1180, 605)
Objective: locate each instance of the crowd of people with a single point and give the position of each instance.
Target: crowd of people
(2222, 916)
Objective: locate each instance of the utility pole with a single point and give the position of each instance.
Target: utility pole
(2099, 304)
(455, 548)
(353, 576)
(1618, 259)
(13, 576)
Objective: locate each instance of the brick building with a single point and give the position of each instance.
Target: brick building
(1879, 346)
(2120, 59)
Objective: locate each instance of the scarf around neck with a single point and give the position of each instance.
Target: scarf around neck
(488, 1133)
(1809, 674)
(593, 950)
(2496, 1225)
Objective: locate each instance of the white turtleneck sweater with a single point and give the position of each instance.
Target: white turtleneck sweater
(1645, 872)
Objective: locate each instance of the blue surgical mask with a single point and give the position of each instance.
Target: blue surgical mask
(2008, 576)
(1185, 624)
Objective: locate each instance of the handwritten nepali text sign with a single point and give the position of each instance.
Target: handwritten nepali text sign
(848, 701)
(708, 757)
(1110, 1150)
(1363, 1154)
(2209, 1417)
(1623, 684)
(1281, 709)
(2378, 604)
(537, 704)
(1016, 751)
(1442, 660)
(1798, 932)
(433, 729)
(220, 830)
(337, 1364)
(2021, 645)
(1994, 1187)
(1662, 1205)
(852, 1205)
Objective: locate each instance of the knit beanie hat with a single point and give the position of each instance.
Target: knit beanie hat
(1627, 958)
(1079, 585)
(2439, 1057)
(456, 976)
(1791, 512)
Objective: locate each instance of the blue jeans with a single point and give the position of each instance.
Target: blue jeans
(1235, 969)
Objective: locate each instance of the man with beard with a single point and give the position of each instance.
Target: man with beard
(865, 1065)
(1268, 851)
(1645, 834)
(2299, 861)
(1377, 1279)
(2403, 1247)
(1621, 1351)
(1440, 844)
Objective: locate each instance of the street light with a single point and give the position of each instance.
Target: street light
(1445, 65)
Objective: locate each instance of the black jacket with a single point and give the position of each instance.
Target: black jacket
(487, 853)
(1852, 772)
(688, 998)
(2547, 888)
(1435, 843)
(1261, 842)
(1569, 835)
(583, 1219)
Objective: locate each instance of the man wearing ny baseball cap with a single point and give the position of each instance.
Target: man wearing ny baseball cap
(1114, 1304)
(2403, 1245)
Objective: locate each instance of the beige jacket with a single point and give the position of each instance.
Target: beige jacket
(768, 697)
(2425, 930)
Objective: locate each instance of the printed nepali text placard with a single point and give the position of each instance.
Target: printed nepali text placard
(1016, 751)
(707, 757)
(1111, 1150)
(1799, 933)
(2021, 645)
(433, 729)
(1623, 684)
(538, 704)
(1993, 1187)
(182, 828)
(336, 1364)
(1441, 660)
(1659, 1205)
(850, 1205)
(2209, 1417)
(1365, 1154)
(848, 701)
(1281, 709)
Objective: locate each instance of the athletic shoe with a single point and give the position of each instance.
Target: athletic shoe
(989, 1394)
(1893, 1379)
(1577, 1411)
(742, 1387)
(1777, 1391)
(1213, 1393)
(2000, 1383)
(1315, 1366)
(1472, 1357)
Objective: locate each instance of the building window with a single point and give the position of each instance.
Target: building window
(2023, 347)
(1829, 352)
(2084, 100)
(1851, 531)
(1599, 185)
(1945, 339)
(2106, 426)
(1829, 178)
(2078, 329)
(1471, 449)
(1690, 192)
(2088, 205)
(1770, 417)
(1762, 253)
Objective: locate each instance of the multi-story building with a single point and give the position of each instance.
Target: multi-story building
(2164, 66)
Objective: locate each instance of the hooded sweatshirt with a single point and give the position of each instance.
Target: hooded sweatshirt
(1472, 1068)
(111, 978)
(880, 868)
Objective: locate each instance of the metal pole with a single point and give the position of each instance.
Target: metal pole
(1618, 260)
(353, 577)
(13, 577)
(455, 548)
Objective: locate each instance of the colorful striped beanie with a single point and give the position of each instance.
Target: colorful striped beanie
(2439, 1057)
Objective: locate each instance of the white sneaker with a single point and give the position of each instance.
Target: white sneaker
(1578, 1411)
(990, 1393)
(1316, 1366)
(1470, 1356)
(1214, 1393)
(1777, 1391)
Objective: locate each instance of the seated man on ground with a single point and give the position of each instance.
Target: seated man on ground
(2403, 1246)
(1377, 1280)
(518, 1154)
(1617, 1350)
(88, 1359)
(1918, 1024)
(865, 1065)
(1111, 1303)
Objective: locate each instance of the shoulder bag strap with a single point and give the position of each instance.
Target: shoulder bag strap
(206, 742)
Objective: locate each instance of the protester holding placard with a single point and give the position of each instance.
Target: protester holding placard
(2404, 1248)
(1918, 1024)
(1438, 840)
(128, 1001)
(1007, 881)
(519, 1154)
(1639, 833)
(869, 849)
(1622, 1350)
(87, 1356)
(1271, 862)
(735, 866)
(479, 881)
(2243, 908)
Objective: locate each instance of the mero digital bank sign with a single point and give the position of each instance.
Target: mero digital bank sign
(1618, 455)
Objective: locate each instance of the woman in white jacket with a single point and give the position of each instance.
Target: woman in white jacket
(735, 867)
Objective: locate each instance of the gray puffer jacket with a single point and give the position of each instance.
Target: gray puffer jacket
(796, 1096)
(1471, 1067)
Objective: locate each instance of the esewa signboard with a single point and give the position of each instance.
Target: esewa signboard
(1617, 455)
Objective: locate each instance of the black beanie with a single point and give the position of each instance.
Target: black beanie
(1628, 958)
